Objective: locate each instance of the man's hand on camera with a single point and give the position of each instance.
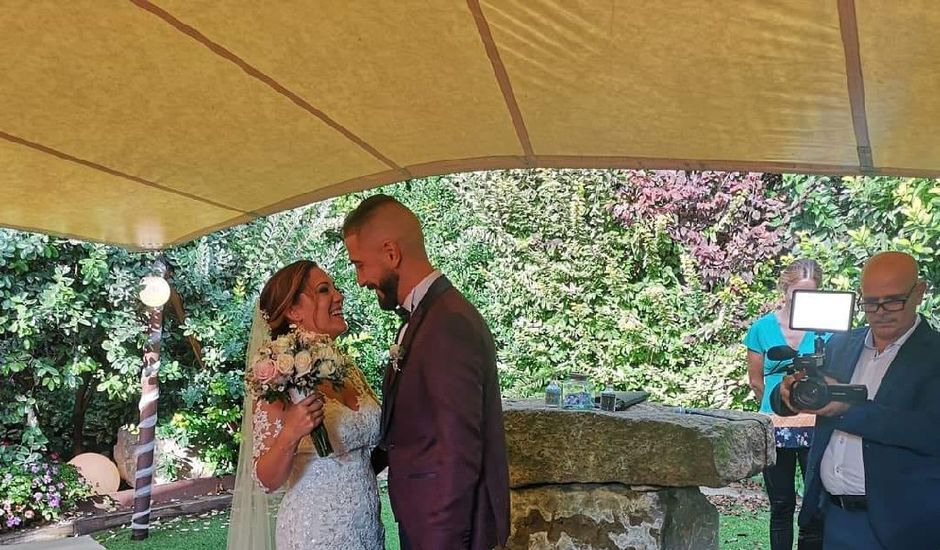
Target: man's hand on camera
(785, 386)
(834, 408)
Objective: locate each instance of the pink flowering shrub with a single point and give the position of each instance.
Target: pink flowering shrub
(38, 491)
(729, 222)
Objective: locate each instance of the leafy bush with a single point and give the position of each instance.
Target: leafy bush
(38, 491)
(69, 338)
(727, 222)
(855, 217)
(571, 287)
(643, 279)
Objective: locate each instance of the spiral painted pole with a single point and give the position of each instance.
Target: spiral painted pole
(149, 399)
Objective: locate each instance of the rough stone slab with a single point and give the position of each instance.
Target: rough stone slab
(586, 517)
(648, 444)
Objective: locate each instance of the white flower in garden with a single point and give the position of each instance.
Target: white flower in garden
(303, 362)
(285, 363)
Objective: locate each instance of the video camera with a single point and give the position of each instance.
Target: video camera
(818, 311)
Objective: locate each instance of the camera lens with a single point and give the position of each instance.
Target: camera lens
(809, 394)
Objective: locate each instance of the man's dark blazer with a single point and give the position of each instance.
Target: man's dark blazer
(900, 432)
(448, 477)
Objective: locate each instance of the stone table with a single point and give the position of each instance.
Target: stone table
(629, 479)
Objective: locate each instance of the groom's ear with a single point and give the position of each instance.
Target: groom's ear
(391, 253)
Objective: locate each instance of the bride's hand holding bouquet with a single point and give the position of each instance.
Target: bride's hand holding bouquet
(301, 418)
(289, 369)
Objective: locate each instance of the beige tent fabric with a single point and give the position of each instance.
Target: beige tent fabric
(148, 123)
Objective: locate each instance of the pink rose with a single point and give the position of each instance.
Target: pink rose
(265, 371)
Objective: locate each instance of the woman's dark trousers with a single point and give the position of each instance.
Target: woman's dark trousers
(780, 481)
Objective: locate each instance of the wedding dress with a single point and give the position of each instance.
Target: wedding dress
(332, 501)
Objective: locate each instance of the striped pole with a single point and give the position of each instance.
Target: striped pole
(149, 399)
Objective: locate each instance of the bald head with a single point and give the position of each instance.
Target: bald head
(381, 219)
(891, 266)
(890, 284)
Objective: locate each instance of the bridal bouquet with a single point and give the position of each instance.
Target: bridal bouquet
(292, 366)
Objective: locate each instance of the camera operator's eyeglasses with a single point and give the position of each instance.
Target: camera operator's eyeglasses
(895, 304)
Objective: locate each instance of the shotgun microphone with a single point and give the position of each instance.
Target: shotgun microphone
(781, 353)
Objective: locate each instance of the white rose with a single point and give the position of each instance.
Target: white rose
(327, 369)
(303, 362)
(285, 364)
(309, 337)
(326, 353)
(282, 344)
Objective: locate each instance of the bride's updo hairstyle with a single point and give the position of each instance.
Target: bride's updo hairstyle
(281, 292)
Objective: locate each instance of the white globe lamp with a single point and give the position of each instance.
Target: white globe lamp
(155, 291)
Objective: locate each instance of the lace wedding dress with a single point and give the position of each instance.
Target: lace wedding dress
(331, 502)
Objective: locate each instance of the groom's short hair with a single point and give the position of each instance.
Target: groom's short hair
(361, 215)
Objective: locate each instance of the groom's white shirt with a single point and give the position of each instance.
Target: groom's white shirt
(416, 295)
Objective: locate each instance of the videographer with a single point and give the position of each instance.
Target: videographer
(794, 438)
(874, 467)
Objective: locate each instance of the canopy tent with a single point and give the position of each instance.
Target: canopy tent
(147, 124)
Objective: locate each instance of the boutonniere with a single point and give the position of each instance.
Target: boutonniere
(396, 352)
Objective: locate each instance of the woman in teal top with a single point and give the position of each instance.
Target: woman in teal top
(764, 375)
(768, 332)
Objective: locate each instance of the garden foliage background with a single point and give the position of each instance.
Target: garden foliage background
(643, 279)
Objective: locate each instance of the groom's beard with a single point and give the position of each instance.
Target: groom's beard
(387, 291)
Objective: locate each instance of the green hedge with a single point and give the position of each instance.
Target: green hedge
(640, 279)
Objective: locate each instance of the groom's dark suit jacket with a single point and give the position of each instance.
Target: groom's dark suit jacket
(442, 420)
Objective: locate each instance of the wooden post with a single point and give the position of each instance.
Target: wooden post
(149, 399)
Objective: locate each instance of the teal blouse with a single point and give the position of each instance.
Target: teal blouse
(764, 334)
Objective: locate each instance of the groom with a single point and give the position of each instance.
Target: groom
(442, 423)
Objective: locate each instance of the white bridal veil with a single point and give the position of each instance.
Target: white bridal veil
(253, 511)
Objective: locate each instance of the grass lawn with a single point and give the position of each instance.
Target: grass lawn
(391, 528)
(203, 532)
(744, 531)
(207, 532)
(740, 531)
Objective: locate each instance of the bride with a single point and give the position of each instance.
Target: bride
(329, 502)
